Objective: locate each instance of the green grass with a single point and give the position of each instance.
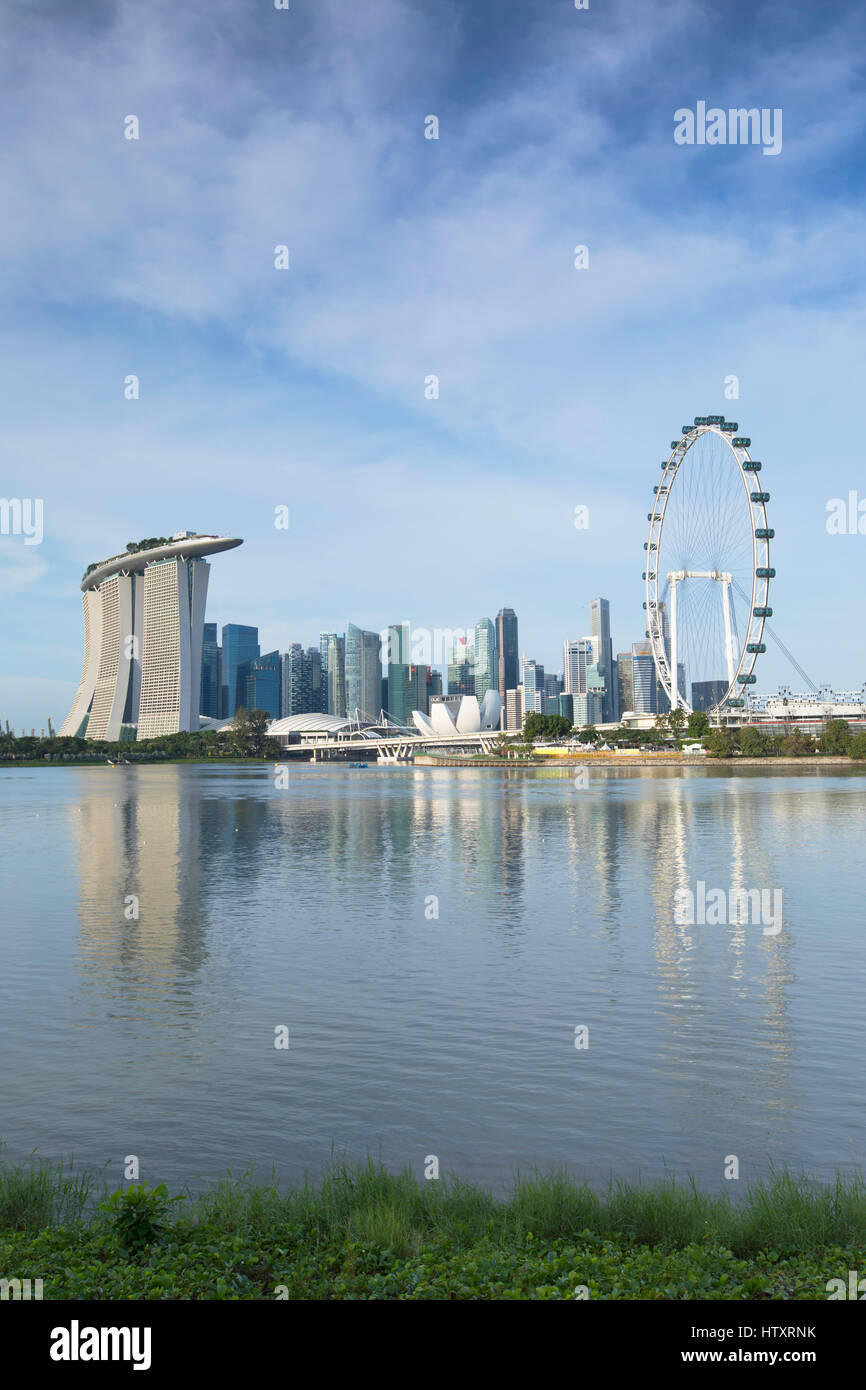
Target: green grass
(361, 1232)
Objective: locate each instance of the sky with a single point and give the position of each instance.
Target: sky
(261, 388)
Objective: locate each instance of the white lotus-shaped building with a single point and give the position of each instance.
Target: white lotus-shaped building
(471, 718)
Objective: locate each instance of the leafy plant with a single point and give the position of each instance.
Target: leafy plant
(139, 1214)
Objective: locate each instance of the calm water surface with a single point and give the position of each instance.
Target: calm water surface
(410, 1034)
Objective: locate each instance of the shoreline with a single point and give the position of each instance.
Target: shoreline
(364, 1232)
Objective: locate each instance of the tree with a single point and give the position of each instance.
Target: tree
(796, 744)
(676, 721)
(753, 742)
(857, 746)
(720, 743)
(835, 737)
(697, 723)
(588, 734)
(662, 724)
(533, 727)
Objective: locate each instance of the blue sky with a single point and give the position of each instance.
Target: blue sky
(558, 387)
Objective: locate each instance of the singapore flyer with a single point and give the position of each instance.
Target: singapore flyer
(708, 568)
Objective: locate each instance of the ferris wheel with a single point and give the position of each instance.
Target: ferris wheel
(708, 568)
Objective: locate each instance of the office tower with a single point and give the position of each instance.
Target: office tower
(506, 652)
(295, 692)
(706, 694)
(644, 685)
(302, 689)
(210, 673)
(596, 684)
(552, 686)
(513, 708)
(240, 649)
(461, 669)
(587, 708)
(434, 685)
(143, 636)
(420, 688)
(318, 682)
(263, 684)
(336, 669)
(486, 664)
(363, 672)
(577, 656)
(599, 616)
(625, 683)
(533, 687)
(398, 660)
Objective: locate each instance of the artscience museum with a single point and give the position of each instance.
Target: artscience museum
(470, 717)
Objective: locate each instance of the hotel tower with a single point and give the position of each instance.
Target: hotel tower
(143, 631)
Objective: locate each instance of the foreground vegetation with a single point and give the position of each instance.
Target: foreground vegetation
(245, 738)
(362, 1233)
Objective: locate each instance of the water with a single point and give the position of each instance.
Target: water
(312, 908)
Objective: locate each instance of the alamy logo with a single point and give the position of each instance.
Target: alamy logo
(20, 1289)
(737, 126)
(718, 907)
(22, 516)
(77, 1343)
(856, 1287)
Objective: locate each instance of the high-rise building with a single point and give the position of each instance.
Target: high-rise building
(577, 656)
(301, 681)
(513, 712)
(263, 684)
(625, 683)
(552, 685)
(599, 616)
(335, 665)
(587, 708)
(644, 685)
(486, 663)
(421, 689)
(706, 694)
(461, 668)
(143, 637)
(210, 704)
(507, 652)
(533, 686)
(363, 672)
(398, 659)
(240, 649)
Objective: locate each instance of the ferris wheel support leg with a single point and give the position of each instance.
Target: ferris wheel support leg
(729, 650)
(675, 693)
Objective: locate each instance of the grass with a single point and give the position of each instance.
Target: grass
(362, 1232)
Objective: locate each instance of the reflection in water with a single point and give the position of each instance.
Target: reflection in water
(258, 906)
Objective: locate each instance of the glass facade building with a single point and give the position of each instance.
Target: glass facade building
(363, 666)
(506, 652)
(240, 648)
(263, 684)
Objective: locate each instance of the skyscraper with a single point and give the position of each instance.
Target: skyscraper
(644, 692)
(486, 663)
(461, 668)
(506, 650)
(302, 690)
(599, 615)
(263, 684)
(398, 663)
(625, 683)
(240, 649)
(336, 669)
(363, 672)
(210, 673)
(577, 657)
(533, 687)
(143, 636)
